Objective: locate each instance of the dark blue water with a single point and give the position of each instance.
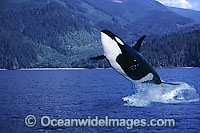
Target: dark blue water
(83, 93)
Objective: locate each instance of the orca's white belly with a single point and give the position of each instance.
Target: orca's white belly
(117, 67)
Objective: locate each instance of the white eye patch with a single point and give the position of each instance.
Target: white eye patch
(119, 41)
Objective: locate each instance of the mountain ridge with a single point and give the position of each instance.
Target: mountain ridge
(193, 14)
(61, 33)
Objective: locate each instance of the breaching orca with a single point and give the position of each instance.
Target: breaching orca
(126, 60)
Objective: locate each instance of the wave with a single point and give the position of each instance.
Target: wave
(145, 94)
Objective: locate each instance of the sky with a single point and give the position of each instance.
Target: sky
(187, 4)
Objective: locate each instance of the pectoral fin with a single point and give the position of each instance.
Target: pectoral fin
(98, 57)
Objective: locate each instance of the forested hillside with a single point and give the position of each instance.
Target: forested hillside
(177, 50)
(63, 33)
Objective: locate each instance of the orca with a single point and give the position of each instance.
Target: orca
(127, 60)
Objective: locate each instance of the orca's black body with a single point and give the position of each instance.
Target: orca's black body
(126, 60)
(134, 65)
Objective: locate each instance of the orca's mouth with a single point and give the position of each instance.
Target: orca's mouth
(108, 33)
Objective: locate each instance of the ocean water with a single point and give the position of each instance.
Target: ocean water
(63, 94)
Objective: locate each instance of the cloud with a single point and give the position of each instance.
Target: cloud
(118, 1)
(179, 3)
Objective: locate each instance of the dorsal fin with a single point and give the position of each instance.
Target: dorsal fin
(138, 44)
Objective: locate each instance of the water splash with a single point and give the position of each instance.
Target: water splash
(146, 94)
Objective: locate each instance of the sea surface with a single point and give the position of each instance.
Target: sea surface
(64, 94)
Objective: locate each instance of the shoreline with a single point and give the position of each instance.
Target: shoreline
(24, 69)
(52, 68)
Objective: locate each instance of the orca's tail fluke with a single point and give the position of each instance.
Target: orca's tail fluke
(169, 83)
